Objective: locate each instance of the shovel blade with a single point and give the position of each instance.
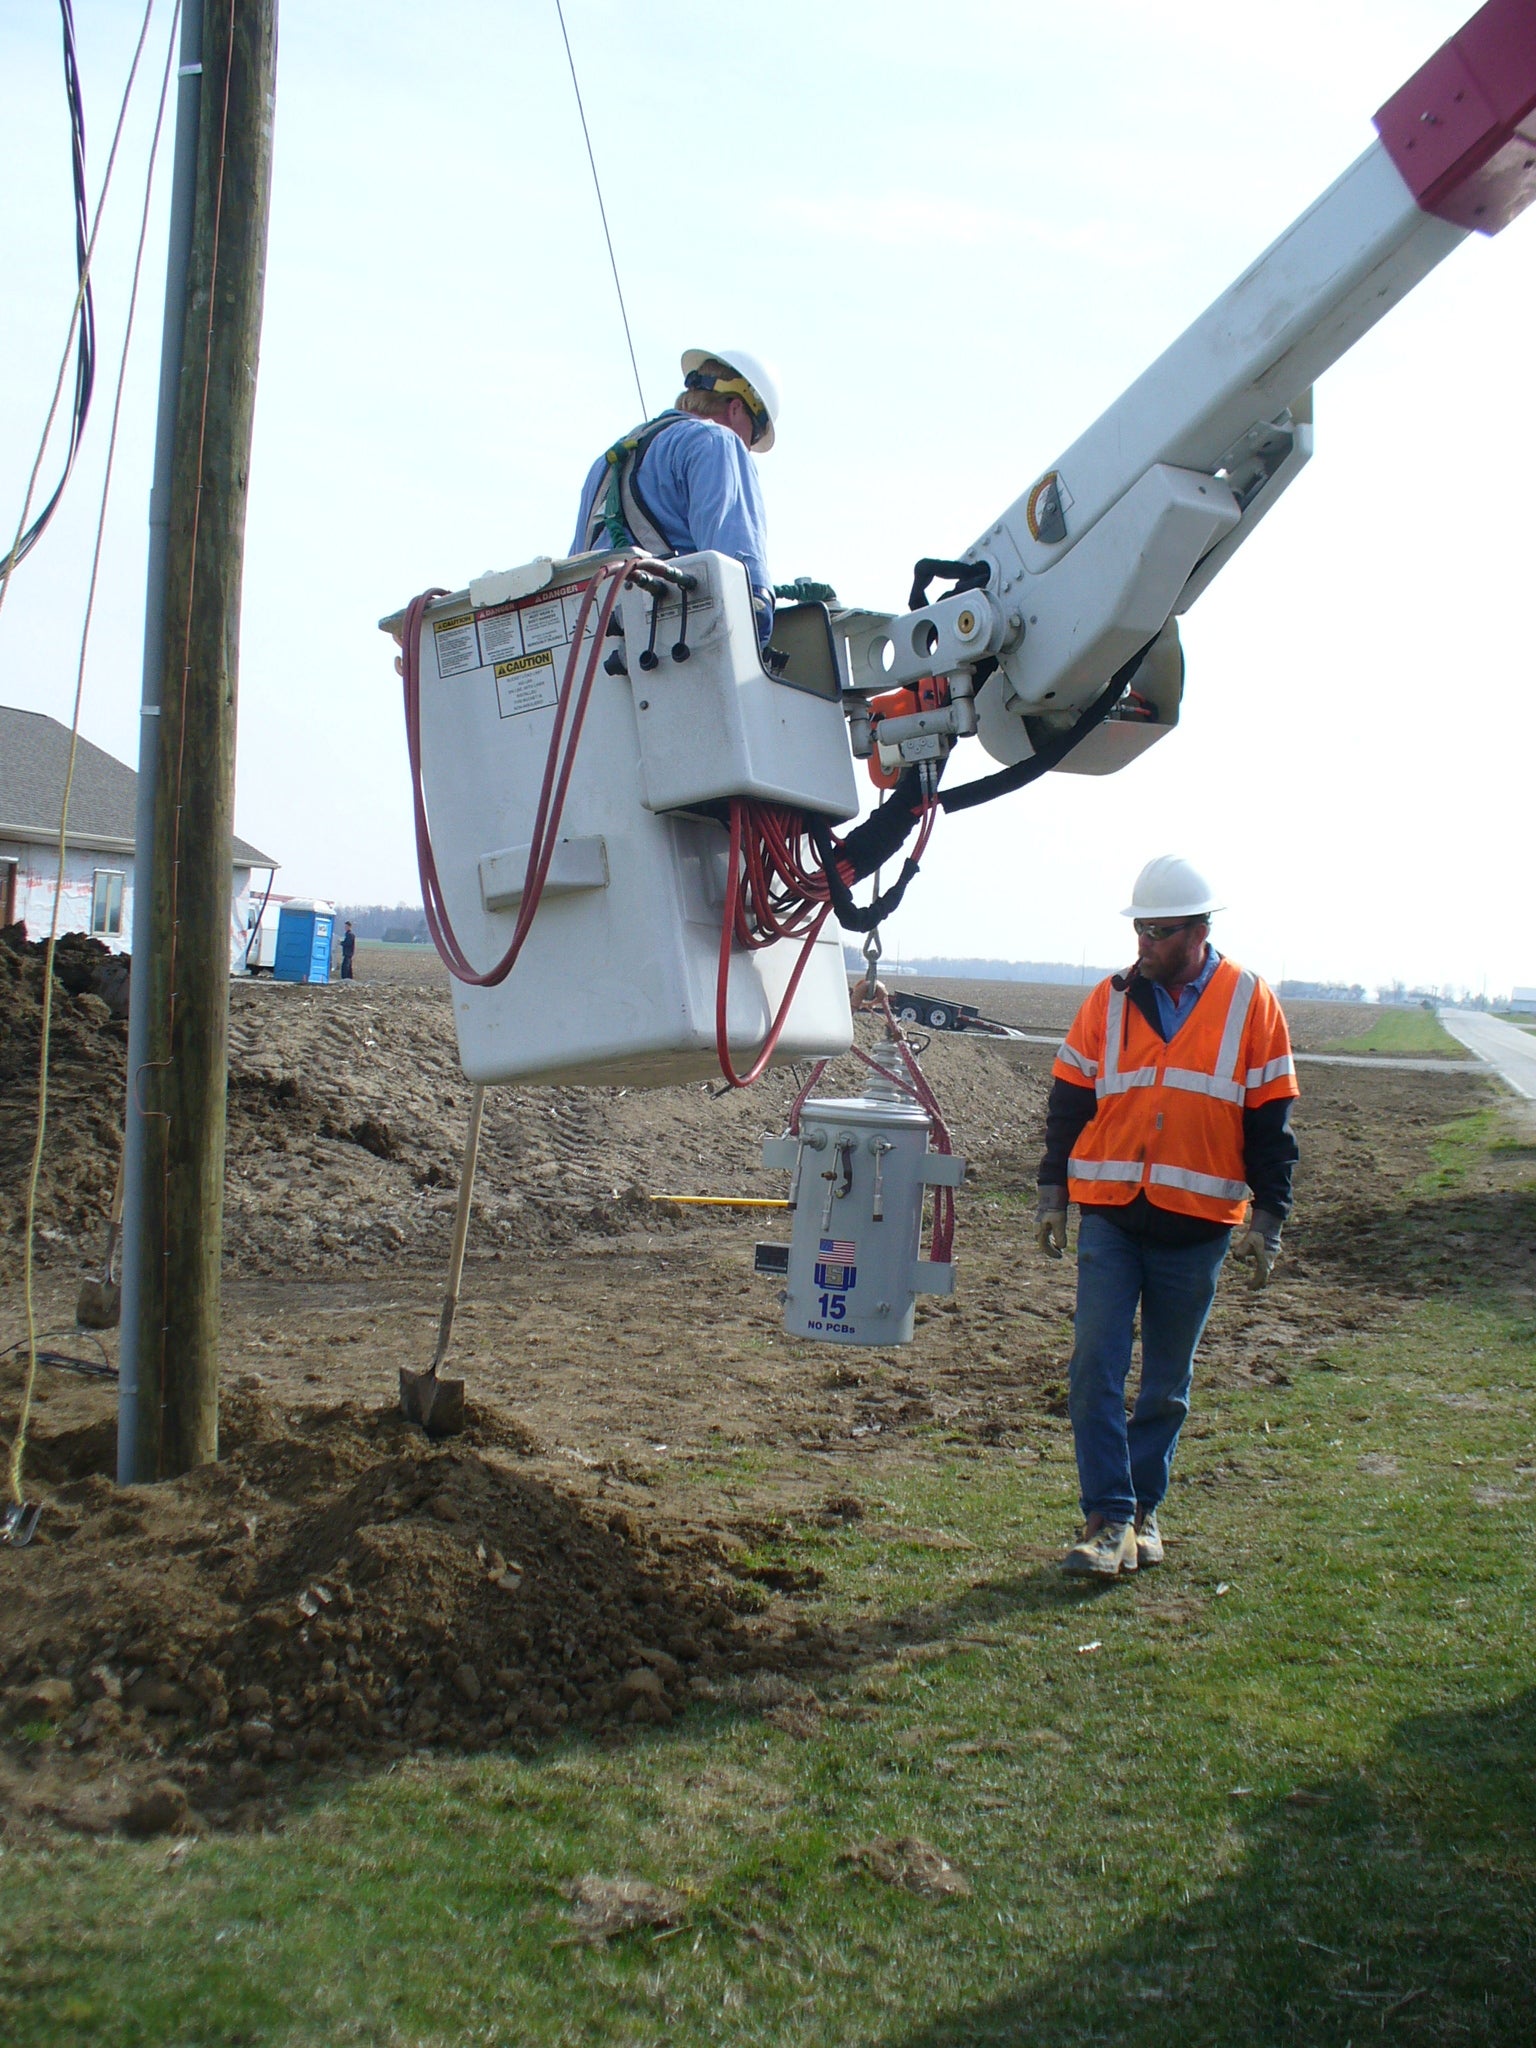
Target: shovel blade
(100, 1306)
(436, 1405)
(18, 1524)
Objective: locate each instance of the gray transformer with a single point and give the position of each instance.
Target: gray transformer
(860, 1168)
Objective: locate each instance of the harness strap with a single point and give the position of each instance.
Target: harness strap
(620, 517)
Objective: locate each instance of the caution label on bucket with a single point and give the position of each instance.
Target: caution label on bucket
(526, 684)
(456, 645)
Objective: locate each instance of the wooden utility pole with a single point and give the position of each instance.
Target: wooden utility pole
(181, 941)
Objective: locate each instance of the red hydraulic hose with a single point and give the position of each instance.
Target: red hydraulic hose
(571, 707)
(733, 887)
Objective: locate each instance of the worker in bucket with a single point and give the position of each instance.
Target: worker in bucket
(684, 481)
(1169, 1109)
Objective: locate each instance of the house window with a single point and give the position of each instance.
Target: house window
(107, 904)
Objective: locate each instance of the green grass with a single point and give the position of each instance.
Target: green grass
(1289, 1797)
(1404, 1032)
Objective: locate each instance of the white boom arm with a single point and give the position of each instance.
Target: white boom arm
(1129, 526)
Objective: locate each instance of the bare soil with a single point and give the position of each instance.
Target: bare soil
(338, 1590)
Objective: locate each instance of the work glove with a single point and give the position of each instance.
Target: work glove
(1051, 1223)
(1259, 1247)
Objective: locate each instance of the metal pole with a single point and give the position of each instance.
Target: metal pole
(183, 208)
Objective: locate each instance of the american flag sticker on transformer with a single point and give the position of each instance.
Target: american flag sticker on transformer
(835, 1268)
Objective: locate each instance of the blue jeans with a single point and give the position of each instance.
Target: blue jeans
(1123, 1469)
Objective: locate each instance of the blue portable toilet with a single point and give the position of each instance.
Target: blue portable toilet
(304, 942)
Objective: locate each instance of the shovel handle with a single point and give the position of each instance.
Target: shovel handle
(460, 1226)
(115, 1223)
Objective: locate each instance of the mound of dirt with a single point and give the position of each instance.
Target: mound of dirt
(347, 1111)
(338, 1591)
(87, 1043)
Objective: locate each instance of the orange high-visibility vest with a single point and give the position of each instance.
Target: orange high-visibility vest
(1169, 1121)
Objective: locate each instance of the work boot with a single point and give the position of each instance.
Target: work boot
(1107, 1550)
(1149, 1543)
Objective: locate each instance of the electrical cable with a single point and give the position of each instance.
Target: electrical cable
(18, 1443)
(1053, 752)
(85, 325)
(66, 1361)
(82, 318)
(645, 411)
(772, 893)
(798, 918)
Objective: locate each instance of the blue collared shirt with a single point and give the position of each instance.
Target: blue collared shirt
(699, 481)
(1171, 1009)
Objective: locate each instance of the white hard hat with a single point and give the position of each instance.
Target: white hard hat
(1170, 887)
(754, 373)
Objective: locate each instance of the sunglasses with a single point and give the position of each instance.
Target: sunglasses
(1150, 928)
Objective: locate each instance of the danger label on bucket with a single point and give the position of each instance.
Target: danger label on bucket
(526, 684)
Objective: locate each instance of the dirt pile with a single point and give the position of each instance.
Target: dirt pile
(347, 1111)
(85, 1092)
(337, 1591)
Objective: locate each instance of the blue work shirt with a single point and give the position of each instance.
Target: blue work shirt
(1171, 1009)
(699, 481)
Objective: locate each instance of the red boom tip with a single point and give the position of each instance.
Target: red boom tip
(1462, 131)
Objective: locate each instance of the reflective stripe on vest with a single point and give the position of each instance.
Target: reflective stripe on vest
(1081, 1061)
(1195, 1183)
(1111, 1081)
(1203, 1084)
(1105, 1169)
(1237, 1018)
(1283, 1068)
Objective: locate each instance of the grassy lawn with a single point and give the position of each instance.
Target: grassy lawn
(1281, 1791)
(1403, 1032)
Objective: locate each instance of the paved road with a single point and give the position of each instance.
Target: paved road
(1504, 1046)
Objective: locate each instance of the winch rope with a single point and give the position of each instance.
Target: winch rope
(597, 186)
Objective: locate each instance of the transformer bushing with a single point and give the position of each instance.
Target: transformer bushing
(859, 1166)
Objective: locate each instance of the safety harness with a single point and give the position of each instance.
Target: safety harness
(620, 517)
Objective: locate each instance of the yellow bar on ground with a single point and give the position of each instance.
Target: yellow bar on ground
(726, 1201)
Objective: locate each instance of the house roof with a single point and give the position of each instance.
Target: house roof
(34, 758)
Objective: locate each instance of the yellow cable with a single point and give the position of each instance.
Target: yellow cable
(24, 1416)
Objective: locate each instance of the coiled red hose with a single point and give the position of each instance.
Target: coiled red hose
(570, 710)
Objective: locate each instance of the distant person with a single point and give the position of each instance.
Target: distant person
(348, 948)
(1170, 1107)
(683, 481)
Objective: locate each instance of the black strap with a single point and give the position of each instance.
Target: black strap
(850, 915)
(967, 576)
(1054, 751)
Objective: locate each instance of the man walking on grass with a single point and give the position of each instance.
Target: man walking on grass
(1169, 1109)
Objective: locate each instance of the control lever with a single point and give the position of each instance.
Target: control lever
(650, 658)
(680, 648)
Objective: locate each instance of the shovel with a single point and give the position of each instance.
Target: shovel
(438, 1405)
(100, 1306)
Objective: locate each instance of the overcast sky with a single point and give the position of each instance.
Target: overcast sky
(959, 234)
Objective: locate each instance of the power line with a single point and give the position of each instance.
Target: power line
(645, 410)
